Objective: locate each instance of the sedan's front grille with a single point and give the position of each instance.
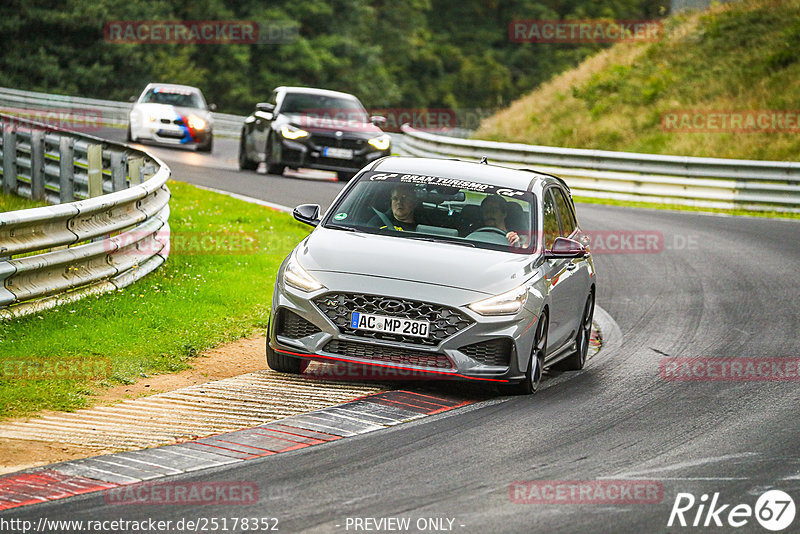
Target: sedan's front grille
(492, 352)
(338, 142)
(444, 321)
(292, 325)
(368, 351)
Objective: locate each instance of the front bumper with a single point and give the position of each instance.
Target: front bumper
(486, 349)
(310, 155)
(172, 134)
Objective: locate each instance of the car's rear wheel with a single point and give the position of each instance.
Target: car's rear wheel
(344, 176)
(273, 168)
(576, 360)
(282, 363)
(533, 376)
(245, 163)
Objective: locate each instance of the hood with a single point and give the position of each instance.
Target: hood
(327, 124)
(474, 269)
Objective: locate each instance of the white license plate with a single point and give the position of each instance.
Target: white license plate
(339, 153)
(391, 325)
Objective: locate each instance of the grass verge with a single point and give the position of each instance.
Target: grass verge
(13, 203)
(159, 324)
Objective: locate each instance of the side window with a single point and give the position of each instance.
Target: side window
(564, 212)
(550, 223)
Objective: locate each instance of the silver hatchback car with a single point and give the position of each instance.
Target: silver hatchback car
(441, 268)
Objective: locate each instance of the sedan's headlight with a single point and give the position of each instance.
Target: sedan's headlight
(196, 123)
(292, 132)
(151, 118)
(507, 303)
(381, 142)
(299, 278)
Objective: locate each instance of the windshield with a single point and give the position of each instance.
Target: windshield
(174, 97)
(458, 211)
(324, 107)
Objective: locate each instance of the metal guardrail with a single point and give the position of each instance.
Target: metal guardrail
(108, 230)
(108, 112)
(691, 181)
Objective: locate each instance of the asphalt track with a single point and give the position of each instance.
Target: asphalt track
(721, 287)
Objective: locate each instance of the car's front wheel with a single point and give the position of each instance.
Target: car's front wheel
(282, 363)
(208, 146)
(272, 167)
(533, 376)
(245, 163)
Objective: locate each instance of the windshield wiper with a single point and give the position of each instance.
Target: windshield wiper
(439, 239)
(340, 227)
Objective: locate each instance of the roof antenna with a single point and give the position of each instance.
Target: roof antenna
(483, 160)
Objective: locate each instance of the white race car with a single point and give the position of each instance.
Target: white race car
(172, 114)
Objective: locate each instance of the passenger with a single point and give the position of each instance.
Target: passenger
(494, 212)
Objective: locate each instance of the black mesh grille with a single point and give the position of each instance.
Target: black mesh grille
(367, 351)
(338, 142)
(444, 321)
(292, 325)
(492, 352)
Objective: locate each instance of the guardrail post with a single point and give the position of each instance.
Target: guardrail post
(135, 171)
(118, 171)
(94, 157)
(37, 164)
(9, 160)
(66, 150)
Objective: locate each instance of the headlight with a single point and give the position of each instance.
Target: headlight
(381, 142)
(297, 277)
(196, 123)
(507, 303)
(151, 118)
(292, 132)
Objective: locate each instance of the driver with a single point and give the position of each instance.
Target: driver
(493, 213)
(404, 202)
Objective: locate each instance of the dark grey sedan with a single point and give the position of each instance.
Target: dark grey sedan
(303, 127)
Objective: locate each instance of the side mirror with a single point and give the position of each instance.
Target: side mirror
(564, 247)
(377, 120)
(307, 213)
(212, 107)
(131, 99)
(266, 107)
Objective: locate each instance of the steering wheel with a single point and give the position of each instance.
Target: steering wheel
(493, 229)
(382, 216)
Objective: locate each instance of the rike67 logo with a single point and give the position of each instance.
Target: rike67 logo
(774, 510)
